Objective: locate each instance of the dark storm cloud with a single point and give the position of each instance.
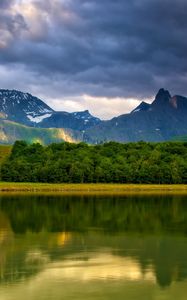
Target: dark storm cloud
(105, 48)
(11, 24)
(5, 3)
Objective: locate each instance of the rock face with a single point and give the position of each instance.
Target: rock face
(162, 120)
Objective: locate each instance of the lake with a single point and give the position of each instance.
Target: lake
(93, 247)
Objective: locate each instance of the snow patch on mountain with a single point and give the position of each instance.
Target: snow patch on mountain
(38, 119)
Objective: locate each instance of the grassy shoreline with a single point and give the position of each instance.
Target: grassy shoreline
(90, 188)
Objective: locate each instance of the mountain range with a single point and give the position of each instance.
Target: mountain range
(23, 116)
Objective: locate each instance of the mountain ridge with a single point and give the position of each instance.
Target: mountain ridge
(163, 119)
(31, 111)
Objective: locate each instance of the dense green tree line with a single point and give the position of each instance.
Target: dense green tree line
(111, 162)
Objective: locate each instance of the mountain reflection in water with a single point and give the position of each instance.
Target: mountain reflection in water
(128, 242)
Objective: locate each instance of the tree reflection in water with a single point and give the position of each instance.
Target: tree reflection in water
(119, 237)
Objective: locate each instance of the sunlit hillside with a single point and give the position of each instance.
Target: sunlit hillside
(11, 131)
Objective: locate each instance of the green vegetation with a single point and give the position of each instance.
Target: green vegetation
(11, 131)
(91, 188)
(137, 163)
(5, 151)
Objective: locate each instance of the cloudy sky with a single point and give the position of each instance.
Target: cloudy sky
(101, 55)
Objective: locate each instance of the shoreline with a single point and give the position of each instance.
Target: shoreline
(64, 188)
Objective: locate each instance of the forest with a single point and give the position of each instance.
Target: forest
(112, 162)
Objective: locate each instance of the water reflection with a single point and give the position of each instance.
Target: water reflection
(91, 241)
(100, 266)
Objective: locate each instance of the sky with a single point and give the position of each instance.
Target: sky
(101, 55)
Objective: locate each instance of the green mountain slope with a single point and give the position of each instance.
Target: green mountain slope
(11, 131)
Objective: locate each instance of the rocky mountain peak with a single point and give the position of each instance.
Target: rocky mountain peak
(162, 96)
(16, 105)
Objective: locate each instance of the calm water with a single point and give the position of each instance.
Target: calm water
(101, 247)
